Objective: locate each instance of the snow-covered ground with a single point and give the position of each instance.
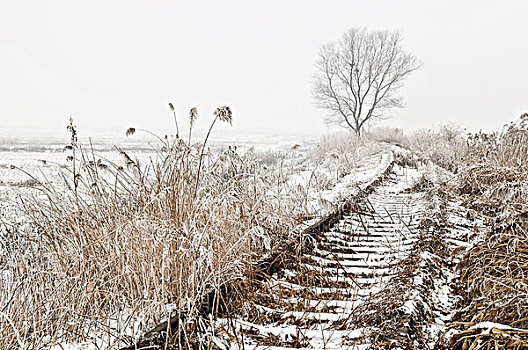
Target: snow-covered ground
(324, 183)
(321, 186)
(319, 179)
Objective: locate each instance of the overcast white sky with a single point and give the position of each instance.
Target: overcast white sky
(113, 64)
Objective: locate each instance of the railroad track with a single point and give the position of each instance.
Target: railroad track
(308, 302)
(337, 289)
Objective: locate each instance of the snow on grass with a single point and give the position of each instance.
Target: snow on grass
(309, 338)
(45, 166)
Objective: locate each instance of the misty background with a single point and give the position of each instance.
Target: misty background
(115, 64)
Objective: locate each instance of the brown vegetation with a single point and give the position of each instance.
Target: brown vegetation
(492, 279)
(124, 246)
(117, 248)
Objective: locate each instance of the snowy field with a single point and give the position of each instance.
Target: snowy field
(25, 161)
(95, 272)
(306, 164)
(308, 178)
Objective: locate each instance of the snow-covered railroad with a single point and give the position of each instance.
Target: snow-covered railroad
(376, 272)
(305, 304)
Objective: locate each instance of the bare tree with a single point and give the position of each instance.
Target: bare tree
(359, 75)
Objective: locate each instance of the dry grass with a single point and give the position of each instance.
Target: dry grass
(445, 147)
(492, 173)
(114, 249)
(492, 274)
(123, 246)
(340, 153)
(388, 134)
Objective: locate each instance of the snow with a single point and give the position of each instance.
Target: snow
(317, 338)
(373, 258)
(44, 163)
(488, 327)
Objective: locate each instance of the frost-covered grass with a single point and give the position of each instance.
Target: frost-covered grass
(491, 181)
(98, 249)
(105, 245)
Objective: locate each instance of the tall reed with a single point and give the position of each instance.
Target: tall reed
(114, 248)
(117, 247)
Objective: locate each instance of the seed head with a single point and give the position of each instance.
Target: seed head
(171, 106)
(101, 165)
(224, 114)
(193, 115)
(130, 131)
(72, 129)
